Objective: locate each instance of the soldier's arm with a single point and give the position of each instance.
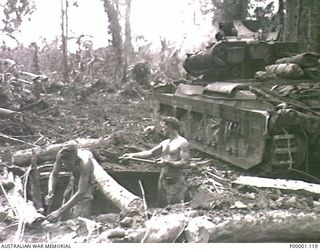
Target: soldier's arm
(185, 153)
(146, 153)
(84, 182)
(53, 178)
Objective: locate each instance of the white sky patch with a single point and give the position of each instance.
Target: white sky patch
(177, 20)
(89, 19)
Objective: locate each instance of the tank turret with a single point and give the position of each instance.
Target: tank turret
(239, 55)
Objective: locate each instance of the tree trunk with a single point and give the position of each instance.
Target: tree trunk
(272, 226)
(309, 25)
(64, 39)
(280, 12)
(127, 45)
(291, 22)
(121, 197)
(35, 59)
(234, 10)
(23, 157)
(115, 30)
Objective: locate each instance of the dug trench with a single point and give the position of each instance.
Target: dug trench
(221, 208)
(100, 204)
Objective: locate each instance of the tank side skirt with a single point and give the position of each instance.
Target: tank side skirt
(246, 146)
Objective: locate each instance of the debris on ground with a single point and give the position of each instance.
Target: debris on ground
(110, 122)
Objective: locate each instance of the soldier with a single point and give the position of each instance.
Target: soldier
(220, 35)
(79, 163)
(175, 157)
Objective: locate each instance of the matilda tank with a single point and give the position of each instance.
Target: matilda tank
(251, 123)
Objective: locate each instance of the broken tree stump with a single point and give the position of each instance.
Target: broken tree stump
(46, 153)
(292, 186)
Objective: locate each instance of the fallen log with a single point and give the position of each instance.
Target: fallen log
(292, 186)
(271, 226)
(111, 189)
(46, 153)
(120, 196)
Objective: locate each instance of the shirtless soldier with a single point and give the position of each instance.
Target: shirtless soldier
(175, 157)
(79, 163)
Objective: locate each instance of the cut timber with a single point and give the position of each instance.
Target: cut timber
(120, 196)
(286, 185)
(23, 157)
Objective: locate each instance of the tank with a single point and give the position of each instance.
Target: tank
(236, 58)
(253, 124)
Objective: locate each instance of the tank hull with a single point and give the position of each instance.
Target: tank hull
(220, 129)
(228, 121)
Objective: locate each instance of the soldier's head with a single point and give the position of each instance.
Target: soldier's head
(67, 154)
(171, 124)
